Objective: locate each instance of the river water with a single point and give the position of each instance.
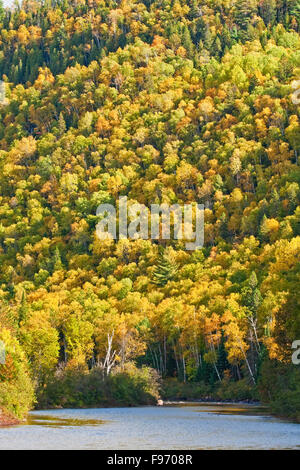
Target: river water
(181, 426)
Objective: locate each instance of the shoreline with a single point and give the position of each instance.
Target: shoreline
(213, 402)
(164, 403)
(8, 420)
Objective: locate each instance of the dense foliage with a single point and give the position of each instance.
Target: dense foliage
(16, 390)
(80, 388)
(164, 102)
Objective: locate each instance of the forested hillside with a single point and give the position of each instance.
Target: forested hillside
(164, 102)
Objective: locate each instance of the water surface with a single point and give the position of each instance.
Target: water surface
(183, 427)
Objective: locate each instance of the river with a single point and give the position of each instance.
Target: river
(181, 426)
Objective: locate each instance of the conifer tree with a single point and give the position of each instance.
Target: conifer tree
(244, 12)
(165, 269)
(61, 124)
(57, 264)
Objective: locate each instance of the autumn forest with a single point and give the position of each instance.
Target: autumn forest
(162, 101)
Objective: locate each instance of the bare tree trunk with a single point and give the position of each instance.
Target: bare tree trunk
(253, 324)
(212, 347)
(176, 359)
(110, 357)
(238, 372)
(153, 358)
(247, 362)
(161, 359)
(157, 362)
(196, 344)
(184, 372)
(165, 354)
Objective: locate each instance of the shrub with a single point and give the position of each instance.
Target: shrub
(172, 389)
(79, 388)
(241, 390)
(132, 385)
(16, 387)
(279, 387)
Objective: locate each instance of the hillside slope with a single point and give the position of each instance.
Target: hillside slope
(162, 102)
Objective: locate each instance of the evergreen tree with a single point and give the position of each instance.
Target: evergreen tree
(165, 269)
(61, 124)
(57, 264)
(295, 10)
(267, 10)
(244, 12)
(222, 361)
